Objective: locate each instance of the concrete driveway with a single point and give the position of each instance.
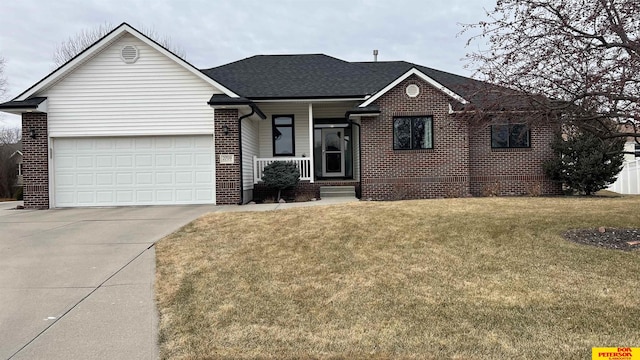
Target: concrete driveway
(78, 283)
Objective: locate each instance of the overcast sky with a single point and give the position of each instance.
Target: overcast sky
(216, 32)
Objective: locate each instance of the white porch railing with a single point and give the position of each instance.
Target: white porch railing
(303, 164)
(628, 180)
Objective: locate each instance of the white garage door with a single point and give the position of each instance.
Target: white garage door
(134, 171)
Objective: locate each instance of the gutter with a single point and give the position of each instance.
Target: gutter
(253, 111)
(351, 122)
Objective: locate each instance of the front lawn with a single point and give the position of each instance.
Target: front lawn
(481, 278)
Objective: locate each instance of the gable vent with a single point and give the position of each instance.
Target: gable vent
(129, 54)
(412, 90)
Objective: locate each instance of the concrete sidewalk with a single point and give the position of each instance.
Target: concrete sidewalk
(78, 283)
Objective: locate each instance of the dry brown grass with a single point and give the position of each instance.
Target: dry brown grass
(481, 278)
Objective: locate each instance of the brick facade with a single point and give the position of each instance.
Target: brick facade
(506, 172)
(389, 174)
(227, 175)
(461, 162)
(35, 161)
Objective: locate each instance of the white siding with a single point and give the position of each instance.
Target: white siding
(153, 96)
(249, 150)
(629, 146)
(332, 110)
(300, 111)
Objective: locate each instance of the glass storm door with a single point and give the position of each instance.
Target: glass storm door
(333, 152)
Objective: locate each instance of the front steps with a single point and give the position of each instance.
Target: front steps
(337, 192)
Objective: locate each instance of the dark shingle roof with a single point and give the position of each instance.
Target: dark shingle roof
(295, 76)
(321, 76)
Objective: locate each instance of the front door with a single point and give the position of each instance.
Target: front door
(333, 152)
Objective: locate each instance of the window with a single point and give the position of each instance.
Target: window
(414, 132)
(510, 136)
(283, 142)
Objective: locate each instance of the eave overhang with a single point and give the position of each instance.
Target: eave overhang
(17, 107)
(222, 101)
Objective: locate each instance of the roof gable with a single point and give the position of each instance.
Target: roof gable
(421, 75)
(102, 44)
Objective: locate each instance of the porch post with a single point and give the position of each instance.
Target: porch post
(312, 169)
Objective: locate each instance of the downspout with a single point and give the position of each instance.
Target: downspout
(351, 122)
(240, 152)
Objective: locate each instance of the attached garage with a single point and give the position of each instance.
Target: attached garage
(145, 170)
(126, 122)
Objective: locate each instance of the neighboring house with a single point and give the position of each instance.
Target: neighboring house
(16, 158)
(126, 122)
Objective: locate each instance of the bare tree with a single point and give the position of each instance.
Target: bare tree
(3, 80)
(74, 45)
(577, 58)
(9, 144)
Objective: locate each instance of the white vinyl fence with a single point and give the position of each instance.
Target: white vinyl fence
(628, 180)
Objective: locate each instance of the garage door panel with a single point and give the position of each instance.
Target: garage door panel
(65, 180)
(124, 197)
(122, 143)
(164, 143)
(204, 177)
(84, 179)
(86, 197)
(184, 195)
(84, 162)
(65, 198)
(133, 171)
(104, 144)
(165, 196)
(203, 194)
(203, 160)
(104, 161)
(144, 143)
(124, 179)
(183, 143)
(184, 177)
(164, 178)
(124, 161)
(144, 196)
(104, 197)
(145, 178)
(104, 179)
(164, 160)
(144, 160)
(184, 160)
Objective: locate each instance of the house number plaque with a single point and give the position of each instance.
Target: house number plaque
(227, 159)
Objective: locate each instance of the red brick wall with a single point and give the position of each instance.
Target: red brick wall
(511, 171)
(389, 174)
(35, 162)
(227, 175)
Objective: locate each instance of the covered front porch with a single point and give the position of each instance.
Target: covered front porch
(319, 137)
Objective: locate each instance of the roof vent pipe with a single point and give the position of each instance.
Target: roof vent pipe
(375, 55)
